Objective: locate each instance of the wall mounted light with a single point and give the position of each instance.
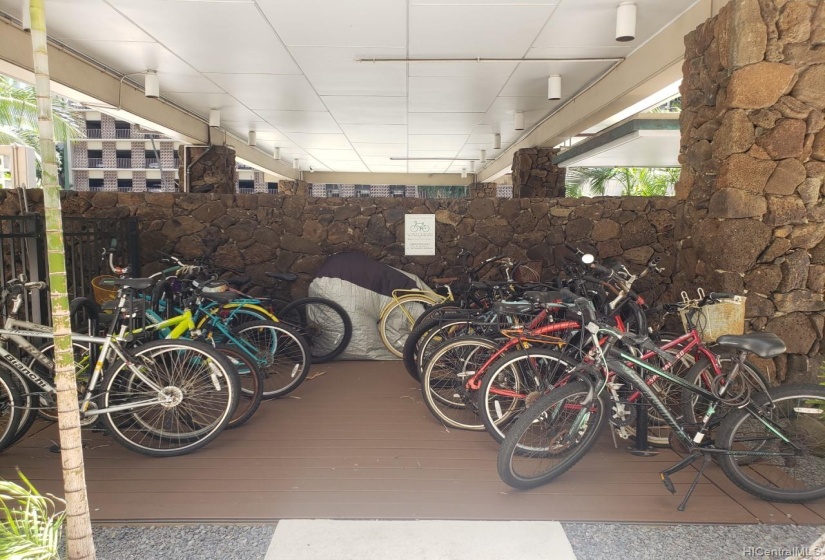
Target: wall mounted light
(519, 121)
(496, 141)
(276, 153)
(253, 138)
(554, 87)
(296, 164)
(214, 117)
(626, 22)
(483, 157)
(26, 15)
(463, 172)
(151, 84)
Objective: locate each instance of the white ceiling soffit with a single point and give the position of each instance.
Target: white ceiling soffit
(288, 69)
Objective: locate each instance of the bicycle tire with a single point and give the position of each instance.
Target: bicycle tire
(10, 409)
(281, 354)
(397, 320)
(521, 458)
(532, 372)
(799, 412)
(437, 311)
(200, 389)
(324, 324)
(419, 344)
(443, 382)
(251, 384)
(83, 371)
(694, 406)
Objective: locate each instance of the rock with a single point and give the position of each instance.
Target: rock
(758, 306)
(796, 330)
(743, 240)
(181, 226)
(809, 192)
(604, 230)
(760, 85)
(444, 216)
(609, 248)
(296, 244)
(496, 230)
(766, 118)
(763, 279)
(818, 26)
(578, 229)
(810, 88)
(785, 210)
(736, 135)
(818, 147)
(816, 278)
(807, 236)
(787, 176)
(794, 271)
(794, 24)
(662, 220)
(785, 140)
(748, 37)
(818, 254)
(242, 230)
(638, 255)
(481, 208)
(799, 300)
(209, 211)
(637, 233)
(734, 203)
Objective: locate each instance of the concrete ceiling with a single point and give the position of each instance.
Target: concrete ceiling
(289, 69)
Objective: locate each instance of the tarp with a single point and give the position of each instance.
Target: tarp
(363, 287)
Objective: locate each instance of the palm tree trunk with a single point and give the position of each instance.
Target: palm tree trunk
(78, 523)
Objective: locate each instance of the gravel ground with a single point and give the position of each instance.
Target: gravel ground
(591, 541)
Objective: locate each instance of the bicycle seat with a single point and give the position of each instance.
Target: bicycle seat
(239, 281)
(220, 297)
(543, 297)
(763, 344)
(444, 281)
(285, 276)
(502, 307)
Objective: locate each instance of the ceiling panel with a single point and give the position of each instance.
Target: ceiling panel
(443, 142)
(315, 122)
(68, 20)
(470, 69)
(349, 166)
(270, 92)
(380, 149)
(366, 23)
(388, 168)
(444, 123)
(433, 153)
(335, 155)
(334, 71)
(201, 103)
(475, 30)
(530, 79)
(367, 109)
(320, 141)
(446, 95)
(376, 133)
(213, 36)
(427, 166)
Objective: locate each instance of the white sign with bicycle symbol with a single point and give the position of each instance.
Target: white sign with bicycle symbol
(419, 234)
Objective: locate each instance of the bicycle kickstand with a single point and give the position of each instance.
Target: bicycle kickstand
(665, 474)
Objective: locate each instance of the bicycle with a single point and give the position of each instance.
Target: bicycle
(759, 445)
(162, 398)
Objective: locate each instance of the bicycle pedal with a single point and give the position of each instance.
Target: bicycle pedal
(668, 483)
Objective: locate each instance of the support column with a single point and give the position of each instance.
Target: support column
(300, 188)
(211, 169)
(535, 175)
(483, 190)
(753, 163)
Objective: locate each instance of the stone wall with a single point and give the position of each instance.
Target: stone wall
(535, 174)
(211, 169)
(753, 155)
(270, 232)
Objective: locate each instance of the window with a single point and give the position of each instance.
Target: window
(363, 191)
(272, 188)
(95, 184)
(95, 158)
(333, 191)
(246, 186)
(151, 160)
(122, 129)
(92, 129)
(124, 158)
(154, 185)
(398, 191)
(124, 185)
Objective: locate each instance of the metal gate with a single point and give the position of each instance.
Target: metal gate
(23, 248)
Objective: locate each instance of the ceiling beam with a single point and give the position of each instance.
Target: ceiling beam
(421, 179)
(78, 79)
(651, 68)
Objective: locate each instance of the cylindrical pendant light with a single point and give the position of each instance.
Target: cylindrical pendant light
(276, 153)
(483, 157)
(496, 141)
(253, 138)
(151, 84)
(214, 117)
(626, 22)
(295, 164)
(463, 172)
(26, 15)
(519, 122)
(554, 87)
(472, 166)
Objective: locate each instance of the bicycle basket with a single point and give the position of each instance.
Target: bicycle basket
(714, 320)
(103, 293)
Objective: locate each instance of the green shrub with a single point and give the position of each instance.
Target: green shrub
(30, 525)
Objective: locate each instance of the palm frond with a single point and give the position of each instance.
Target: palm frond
(30, 525)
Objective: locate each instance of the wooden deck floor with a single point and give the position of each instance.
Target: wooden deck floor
(357, 442)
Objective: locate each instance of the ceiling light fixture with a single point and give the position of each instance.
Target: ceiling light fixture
(554, 87)
(473, 166)
(214, 117)
(253, 138)
(626, 22)
(463, 172)
(26, 15)
(276, 153)
(483, 157)
(296, 164)
(496, 141)
(151, 84)
(519, 121)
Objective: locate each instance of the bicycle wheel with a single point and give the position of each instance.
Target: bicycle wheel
(178, 397)
(780, 471)
(252, 384)
(10, 410)
(514, 382)
(445, 376)
(423, 339)
(324, 324)
(694, 407)
(438, 311)
(397, 320)
(46, 405)
(234, 315)
(281, 354)
(551, 436)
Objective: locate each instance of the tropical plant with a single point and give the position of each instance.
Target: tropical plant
(78, 521)
(31, 524)
(634, 181)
